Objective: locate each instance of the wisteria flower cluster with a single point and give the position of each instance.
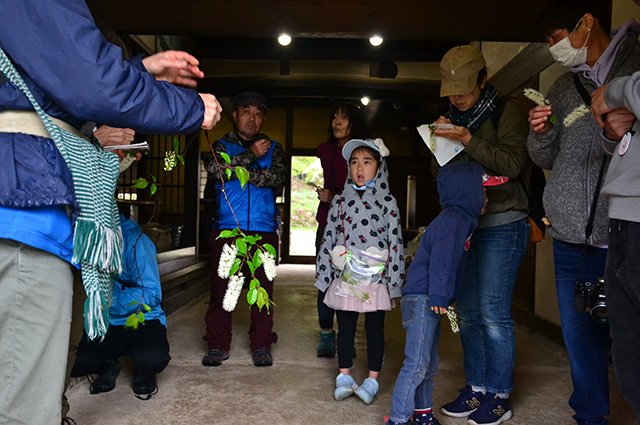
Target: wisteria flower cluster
(453, 319)
(538, 98)
(170, 160)
(234, 287)
(269, 264)
(227, 258)
(580, 111)
(245, 250)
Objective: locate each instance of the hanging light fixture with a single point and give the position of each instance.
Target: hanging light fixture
(284, 39)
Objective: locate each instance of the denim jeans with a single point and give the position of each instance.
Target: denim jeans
(414, 385)
(586, 340)
(622, 285)
(484, 305)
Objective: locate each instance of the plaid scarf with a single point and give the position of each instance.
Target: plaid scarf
(97, 239)
(479, 113)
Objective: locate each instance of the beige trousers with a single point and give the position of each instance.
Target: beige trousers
(35, 315)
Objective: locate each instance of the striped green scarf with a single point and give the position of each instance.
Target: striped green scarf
(97, 239)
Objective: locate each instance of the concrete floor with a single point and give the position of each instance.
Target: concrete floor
(298, 388)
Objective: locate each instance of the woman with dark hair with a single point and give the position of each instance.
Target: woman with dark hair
(346, 123)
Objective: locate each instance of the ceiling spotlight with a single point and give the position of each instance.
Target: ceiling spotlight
(284, 39)
(376, 40)
(364, 100)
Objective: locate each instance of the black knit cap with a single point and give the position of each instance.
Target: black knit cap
(250, 98)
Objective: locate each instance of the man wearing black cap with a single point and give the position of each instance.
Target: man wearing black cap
(254, 210)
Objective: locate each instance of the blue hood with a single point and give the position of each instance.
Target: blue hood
(460, 185)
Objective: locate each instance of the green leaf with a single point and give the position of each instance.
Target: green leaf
(227, 171)
(251, 267)
(141, 317)
(251, 240)
(270, 249)
(153, 189)
(254, 284)
(153, 178)
(141, 183)
(243, 176)
(132, 321)
(146, 307)
(235, 266)
(252, 296)
(180, 158)
(227, 234)
(176, 144)
(257, 261)
(133, 302)
(242, 246)
(261, 302)
(225, 157)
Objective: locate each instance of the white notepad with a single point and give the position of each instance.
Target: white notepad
(143, 145)
(444, 148)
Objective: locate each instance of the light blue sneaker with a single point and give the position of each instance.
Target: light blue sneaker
(345, 386)
(368, 390)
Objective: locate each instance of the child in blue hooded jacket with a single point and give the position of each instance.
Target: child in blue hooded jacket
(433, 280)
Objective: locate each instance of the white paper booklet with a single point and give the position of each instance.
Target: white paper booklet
(143, 145)
(442, 148)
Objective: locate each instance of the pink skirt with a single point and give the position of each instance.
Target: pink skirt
(362, 298)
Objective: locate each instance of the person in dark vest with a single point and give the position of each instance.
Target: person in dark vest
(252, 209)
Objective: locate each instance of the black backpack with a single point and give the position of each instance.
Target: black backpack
(534, 188)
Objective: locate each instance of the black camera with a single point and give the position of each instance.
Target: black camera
(590, 297)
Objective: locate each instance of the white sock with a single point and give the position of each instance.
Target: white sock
(482, 390)
(503, 396)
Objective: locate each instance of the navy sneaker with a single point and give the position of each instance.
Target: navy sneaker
(465, 404)
(492, 411)
(425, 419)
(215, 357)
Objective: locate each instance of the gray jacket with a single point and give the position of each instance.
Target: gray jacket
(622, 184)
(574, 154)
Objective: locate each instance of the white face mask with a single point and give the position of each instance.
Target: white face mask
(567, 55)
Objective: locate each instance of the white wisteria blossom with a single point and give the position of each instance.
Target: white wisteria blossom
(226, 260)
(453, 319)
(234, 288)
(580, 111)
(536, 97)
(126, 162)
(269, 264)
(170, 160)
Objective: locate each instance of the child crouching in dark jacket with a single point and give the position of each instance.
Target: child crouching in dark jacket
(433, 280)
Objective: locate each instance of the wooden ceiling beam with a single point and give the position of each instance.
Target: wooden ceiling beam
(489, 20)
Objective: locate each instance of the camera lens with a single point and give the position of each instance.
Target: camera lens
(600, 313)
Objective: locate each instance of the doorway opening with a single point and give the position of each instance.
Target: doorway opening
(306, 176)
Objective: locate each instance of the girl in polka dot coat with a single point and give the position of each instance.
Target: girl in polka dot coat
(364, 217)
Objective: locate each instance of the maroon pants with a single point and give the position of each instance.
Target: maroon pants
(218, 320)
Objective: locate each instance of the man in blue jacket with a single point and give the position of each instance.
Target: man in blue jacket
(254, 212)
(147, 345)
(75, 75)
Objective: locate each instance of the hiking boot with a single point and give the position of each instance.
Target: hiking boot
(215, 357)
(144, 385)
(327, 344)
(465, 404)
(345, 386)
(492, 411)
(262, 357)
(106, 380)
(368, 390)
